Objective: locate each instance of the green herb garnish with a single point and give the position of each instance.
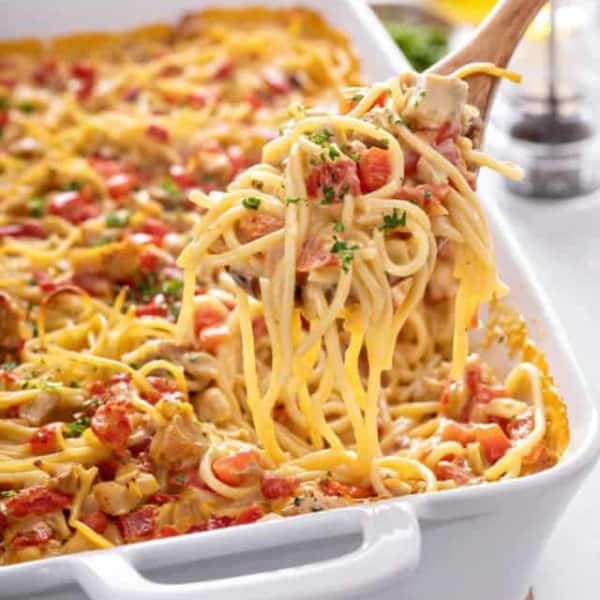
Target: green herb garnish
(101, 241)
(392, 221)
(172, 287)
(344, 251)
(73, 186)
(76, 428)
(26, 107)
(333, 152)
(36, 207)
(339, 227)
(423, 45)
(119, 218)
(320, 137)
(8, 493)
(289, 201)
(180, 479)
(172, 189)
(357, 97)
(4, 104)
(328, 195)
(8, 366)
(251, 203)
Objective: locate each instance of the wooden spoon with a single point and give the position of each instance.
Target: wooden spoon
(495, 42)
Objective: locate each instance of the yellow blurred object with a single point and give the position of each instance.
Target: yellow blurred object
(463, 11)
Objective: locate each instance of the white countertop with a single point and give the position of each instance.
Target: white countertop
(562, 241)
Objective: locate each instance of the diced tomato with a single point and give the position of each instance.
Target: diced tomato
(207, 316)
(315, 253)
(158, 133)
(36, 500)
(331, 487)
(341, 176)
(3, 523)
(449, 150)
(411, 159)
(520, 427)
(480, 392)
(455, 432)
(254, 100)
(75, 206)
(46, 439)
(210, 338)
(119, 378)
(159, 498)
(94, 284)
(98, 521)
(156, 308)
(278, 487)
(237, 159)
(254, 226)
(121, 184)
(105, 166)
(162, 384)
(45, 72)
(259, 328)
(155, 228)
(540, 458)
(149, 261)
(4, 117)
(38, 535)
(380, 100)
(137, 524)
(111, 424)
(97, 388)
(224, 69)
(276, 80)
(447, 131)
(86, 79)
(493, 441)
(107, 469)
(218, 522)
(250, 515)
(446, 470)
(167, 531)
(428, 196)
(199, 99)
(374, 169)
(181, 176)
(27, 229)
(233, 469)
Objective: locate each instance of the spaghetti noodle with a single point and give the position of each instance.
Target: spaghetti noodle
(144, 398)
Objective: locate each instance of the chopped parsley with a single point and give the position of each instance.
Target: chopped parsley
(172, 190)
(384, 143)
(90, 402)
(50, 386)
(420, 97)
(26, 107)
(251, 203)
(7, 493)
(36, 207)
(180, 479)
(344, 191)
(320, 137)
(333, 153)
(147, 287)
(338, 227)
(119, 218)
(76, 428)
(328, 195)
(8, 366)
(392, 221)
(427, 194)
(4, 104)
(73, 186)
(344, 251)
(357, 97)
(171, 287)
(101, 241)
(295, 200)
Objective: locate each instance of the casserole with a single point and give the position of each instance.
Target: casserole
(456, 527)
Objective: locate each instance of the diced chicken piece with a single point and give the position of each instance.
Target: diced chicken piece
(117, 498)
(212, 406)
(37, 410)
(310, 498)
(178, 445)
(118, 262)
(436, 100)
(12, 329)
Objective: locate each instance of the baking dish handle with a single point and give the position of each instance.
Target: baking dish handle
(391, 547)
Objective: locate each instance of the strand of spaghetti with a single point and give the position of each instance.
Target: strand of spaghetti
(486, 68)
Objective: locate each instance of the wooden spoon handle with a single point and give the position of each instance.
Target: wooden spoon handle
(495, 41)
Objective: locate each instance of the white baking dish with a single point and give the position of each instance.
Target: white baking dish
(466, 544)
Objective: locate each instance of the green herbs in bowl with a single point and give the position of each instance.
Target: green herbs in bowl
(423, 45)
